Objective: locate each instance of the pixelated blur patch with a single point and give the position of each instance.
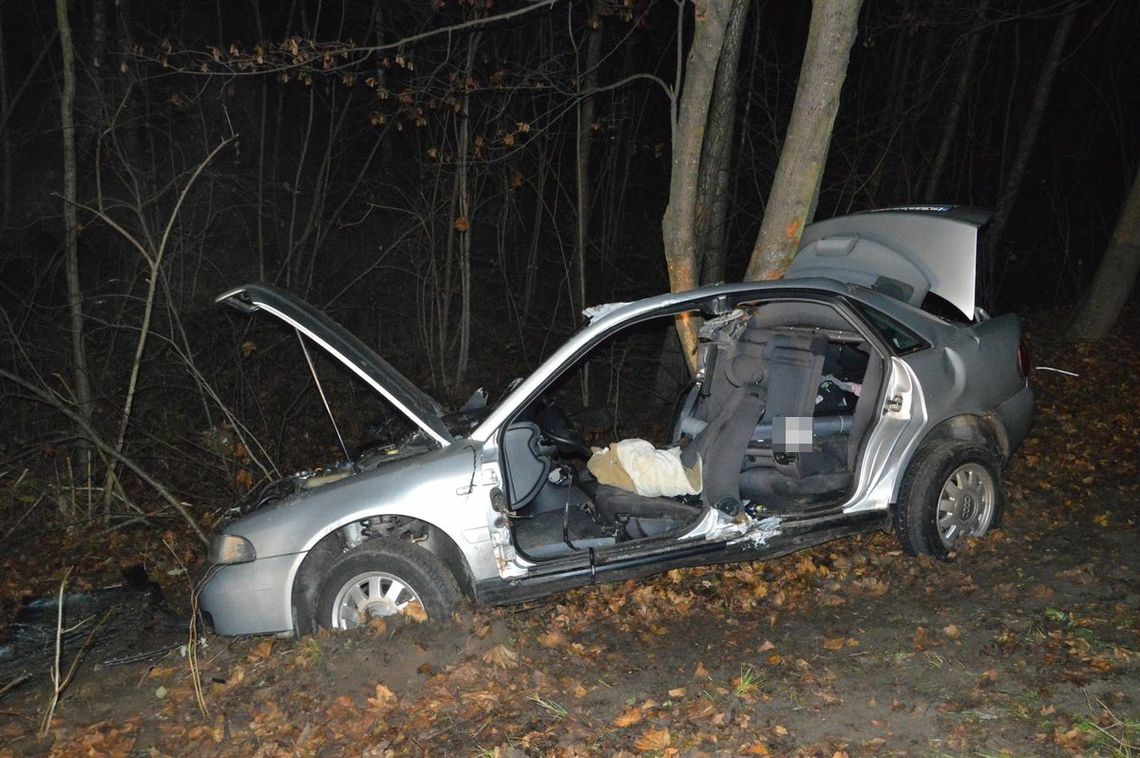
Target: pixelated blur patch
(792, 434)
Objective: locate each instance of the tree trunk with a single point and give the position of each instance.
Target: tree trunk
(5, 143)
(1025, 145)
(795, 190)
(678, 226)
(585, 144)
(950, 126)
(80, 375)
(713, 183)
(1115, 276)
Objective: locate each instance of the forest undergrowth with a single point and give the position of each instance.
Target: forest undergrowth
(1027, 643)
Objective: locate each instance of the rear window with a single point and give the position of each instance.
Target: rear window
(900, 338)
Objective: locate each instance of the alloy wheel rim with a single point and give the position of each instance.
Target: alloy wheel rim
(371, 595)
(966, 503)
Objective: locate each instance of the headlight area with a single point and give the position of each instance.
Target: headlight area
(230, 548)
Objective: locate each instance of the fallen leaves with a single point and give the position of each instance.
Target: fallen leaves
(652, 740)
(501, 656)
(839, 643)
(629, 717)
(382, 698)
(572, 677)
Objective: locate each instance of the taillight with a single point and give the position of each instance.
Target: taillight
(1023, 361)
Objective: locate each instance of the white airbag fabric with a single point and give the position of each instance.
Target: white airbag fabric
(636, 465)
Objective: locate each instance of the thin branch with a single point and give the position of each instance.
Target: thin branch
(46, 397)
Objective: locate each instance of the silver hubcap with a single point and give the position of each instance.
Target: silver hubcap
(370, 595)
(966, 503)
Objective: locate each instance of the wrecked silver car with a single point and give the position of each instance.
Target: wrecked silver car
(862, 391)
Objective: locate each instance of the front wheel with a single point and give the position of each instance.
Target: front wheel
(951, 490)
(384, 578)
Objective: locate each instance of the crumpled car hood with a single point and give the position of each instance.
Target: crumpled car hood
(903, 252)
(417, 405)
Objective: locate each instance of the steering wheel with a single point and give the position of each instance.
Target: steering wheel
(557, 428)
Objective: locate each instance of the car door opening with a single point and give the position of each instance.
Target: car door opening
(785, 395)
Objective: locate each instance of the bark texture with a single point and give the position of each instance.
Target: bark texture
(678, 227)
(713, 185)
(1115, 276)
(80, 376)
(795, 190)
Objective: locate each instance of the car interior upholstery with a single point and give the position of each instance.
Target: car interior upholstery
(773, 362)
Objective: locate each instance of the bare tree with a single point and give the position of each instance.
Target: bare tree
(80, 376)
(1115, 276)
(588, 80)
(795, 190)
(954, 115)
(713, 182)
(1025, 143)
(678, 227)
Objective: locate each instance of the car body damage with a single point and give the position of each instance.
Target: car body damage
(817, 399)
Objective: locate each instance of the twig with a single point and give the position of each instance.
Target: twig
(55, 662)
(44, 396)
(192, 640)
(20, 678)
(60, 683)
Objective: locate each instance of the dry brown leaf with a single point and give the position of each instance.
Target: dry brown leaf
(261, 650)
(755, 748)
(835, 643)
(383, 697)
(701, 672)
(677, 692)
(552, 639)
(652, 739)
(501, 656)
(415, 612)
(629, 717)
(920, 640)
(952, 631)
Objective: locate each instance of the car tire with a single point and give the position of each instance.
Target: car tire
(381, 578)
(949, 490)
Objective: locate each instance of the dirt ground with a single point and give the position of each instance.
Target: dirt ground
(1027, 643)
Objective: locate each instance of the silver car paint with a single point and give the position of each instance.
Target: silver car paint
(378, 374)
(450, 488)
(434, 487)
(940, 242)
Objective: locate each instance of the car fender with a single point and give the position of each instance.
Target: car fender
(436, 489)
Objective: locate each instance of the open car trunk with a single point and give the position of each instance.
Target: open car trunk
(784, 399)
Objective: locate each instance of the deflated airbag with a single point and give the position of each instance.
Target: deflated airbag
(637, 466)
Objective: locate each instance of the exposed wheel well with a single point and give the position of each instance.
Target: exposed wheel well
(982, 430)
(306, 584)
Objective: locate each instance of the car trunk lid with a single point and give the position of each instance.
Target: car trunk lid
(903, 252)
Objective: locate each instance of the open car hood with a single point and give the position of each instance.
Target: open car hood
(347, 348)
(902, 252)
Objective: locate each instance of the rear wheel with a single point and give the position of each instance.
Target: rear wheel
(384, 578)
(951, 490)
